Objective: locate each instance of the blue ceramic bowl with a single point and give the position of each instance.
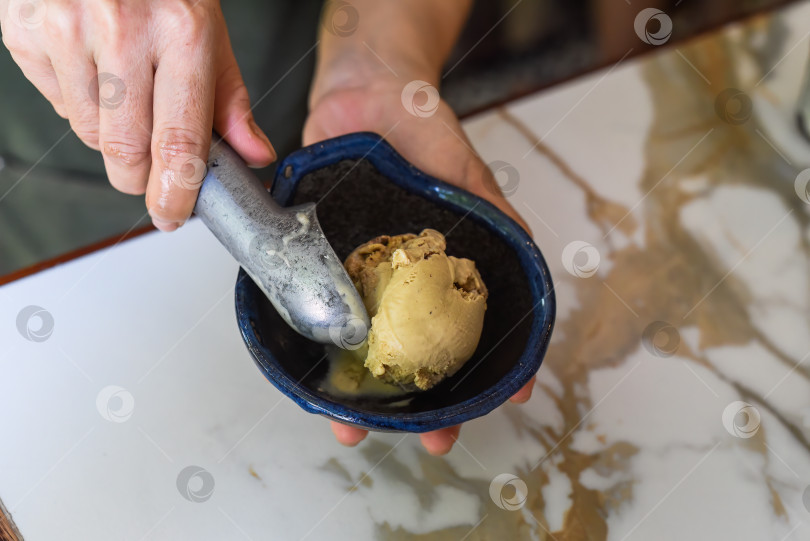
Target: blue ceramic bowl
(364, 189)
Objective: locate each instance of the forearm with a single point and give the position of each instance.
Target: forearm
(412, 38)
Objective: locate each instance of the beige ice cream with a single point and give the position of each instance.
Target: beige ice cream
(426, 308)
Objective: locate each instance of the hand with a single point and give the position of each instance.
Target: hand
(143, 81)
(435, 144)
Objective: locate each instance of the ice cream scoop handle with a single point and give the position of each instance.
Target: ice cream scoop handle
(283, 250)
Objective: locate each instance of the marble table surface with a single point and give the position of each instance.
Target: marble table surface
(670, 197)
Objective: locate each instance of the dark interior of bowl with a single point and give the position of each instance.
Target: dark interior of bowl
(365, 204)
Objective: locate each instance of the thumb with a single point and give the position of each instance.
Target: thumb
(484, 184)
(233, 119)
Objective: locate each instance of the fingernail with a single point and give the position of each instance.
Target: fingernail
(165, 225)
(257, 131)
(440, 451)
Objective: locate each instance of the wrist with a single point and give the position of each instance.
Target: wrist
(370, 42)
(355, 63)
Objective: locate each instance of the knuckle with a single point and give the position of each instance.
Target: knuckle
(183, 153)
(119, 29)
(23, 55)
(179, 142)
(88, 133)
(199, 26)
(189, 20)
(112, 15)
(126, 153)
(117, 42)
(64, 21)
(233, 85)
(240, 100)
(12, 39)
(59, 108)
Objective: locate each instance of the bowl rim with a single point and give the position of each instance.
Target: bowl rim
(375, 149)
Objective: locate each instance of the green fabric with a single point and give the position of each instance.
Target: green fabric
(49, 213)
(30, 127)
(64, 202)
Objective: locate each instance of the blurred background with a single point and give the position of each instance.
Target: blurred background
(54, 198)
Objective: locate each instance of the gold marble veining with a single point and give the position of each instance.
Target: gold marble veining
(666, 280)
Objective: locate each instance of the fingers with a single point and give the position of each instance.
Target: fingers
(439, 442)
(40, 72)
(75, 73)
(139, 82)
(19, 35)
(183, 107)
(124, 97)
(233, 119)
(525, 393)
(348, 435)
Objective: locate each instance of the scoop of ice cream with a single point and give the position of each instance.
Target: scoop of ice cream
(426, 308)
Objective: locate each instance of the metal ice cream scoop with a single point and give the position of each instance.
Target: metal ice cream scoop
(283, 250)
